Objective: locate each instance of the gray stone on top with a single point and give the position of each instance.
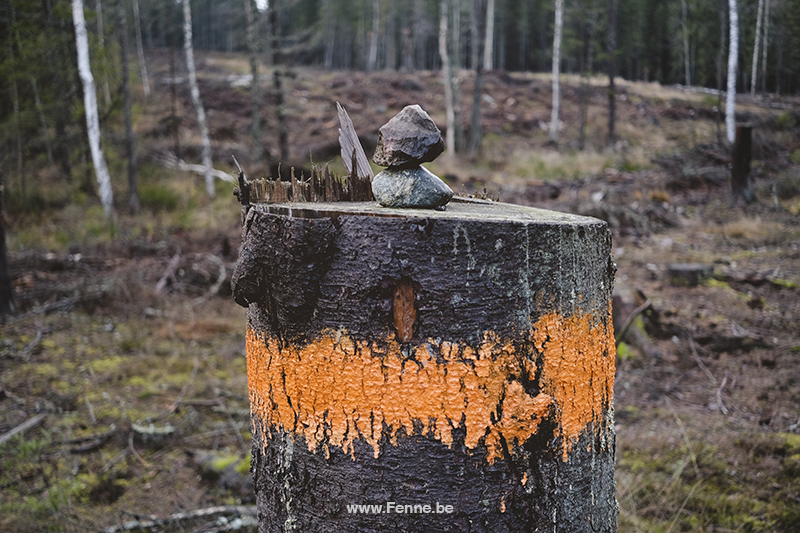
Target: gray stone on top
(408, 139)
(410, 187)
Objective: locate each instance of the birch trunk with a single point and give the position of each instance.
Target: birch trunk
(754, 71)
(198, 103)
(733, 61)
(488, 50)
(140, 49)
(90, 104)
(556, 70)
(255, 87)
(372, 61)
(685, 24)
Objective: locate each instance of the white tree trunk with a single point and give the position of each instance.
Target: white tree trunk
(198, 104)
(754, 71)
(372, 61)
(556, 70)
(255, 87)
(488, 50)
(140, 49)
(733, 59)
(686, 64)
(447, 75)
(90, 103)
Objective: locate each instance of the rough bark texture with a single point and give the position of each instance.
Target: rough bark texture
(461, 358)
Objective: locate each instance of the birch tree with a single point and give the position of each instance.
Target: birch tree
(733, 61)
(754, 72)
(140, 49)
(556, 70)
(90, 105)
(255, 87)
(198, 103)
(372, 60)
(488, 50)
(450, 78)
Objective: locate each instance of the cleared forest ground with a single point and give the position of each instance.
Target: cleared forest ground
(128, 342)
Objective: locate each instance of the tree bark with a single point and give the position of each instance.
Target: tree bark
(462, 358)
(198, 103)
(488, 49)
(733, 61)
(90, 105)
(559, 22)
(754, 70)
(133, 189)
(255, 87)
(140, 49)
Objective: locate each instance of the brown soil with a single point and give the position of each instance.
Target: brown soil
(708, 378)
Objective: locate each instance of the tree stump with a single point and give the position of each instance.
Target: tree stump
(416, 370)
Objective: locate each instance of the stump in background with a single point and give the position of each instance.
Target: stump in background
(456, 365)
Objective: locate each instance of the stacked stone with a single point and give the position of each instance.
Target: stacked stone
(404, 143)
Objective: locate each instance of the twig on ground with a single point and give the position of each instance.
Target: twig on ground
(624, 329)
(135, 453)
(686, 440)
(169, 272)
(223, 274)
(170, 160)
(700, 363)
(153, 522)
(719, 396)
(92, 417)
(25, 426)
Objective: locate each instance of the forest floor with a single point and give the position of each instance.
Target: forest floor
(127, 352)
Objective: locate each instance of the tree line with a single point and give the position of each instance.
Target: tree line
(666, 41)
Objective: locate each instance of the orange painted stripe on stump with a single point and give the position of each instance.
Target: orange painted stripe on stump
(335, 389)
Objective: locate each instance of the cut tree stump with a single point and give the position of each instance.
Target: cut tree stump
(453, 369)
